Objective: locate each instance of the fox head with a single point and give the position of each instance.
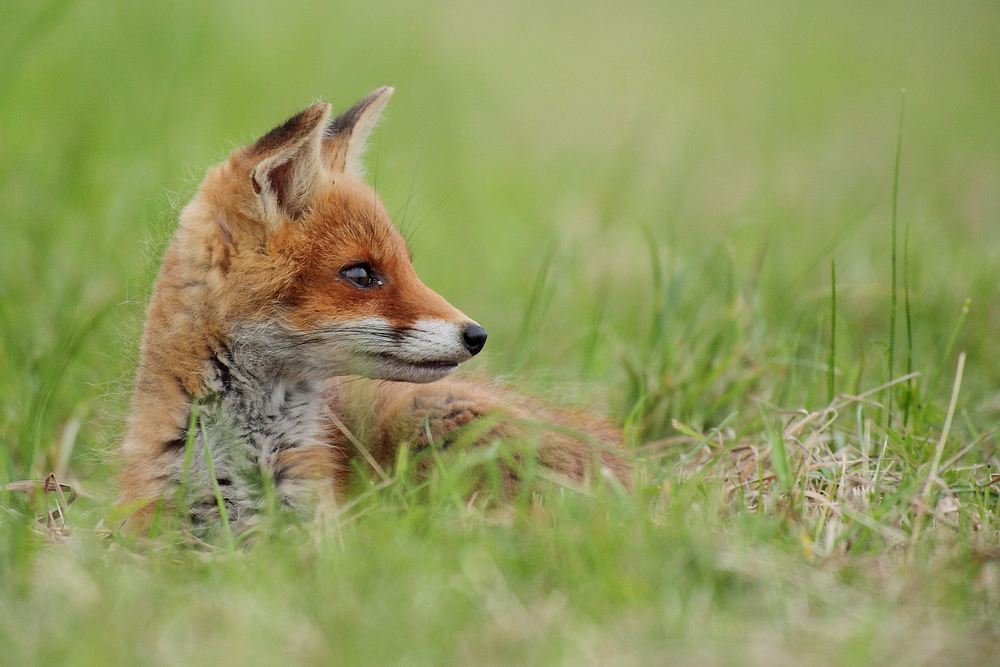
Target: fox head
(299, 261)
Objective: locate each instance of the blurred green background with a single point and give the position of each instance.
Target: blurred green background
(548, 161)
(641, 202)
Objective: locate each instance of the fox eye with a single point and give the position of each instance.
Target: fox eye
(361, 275)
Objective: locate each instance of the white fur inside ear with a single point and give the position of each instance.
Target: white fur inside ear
(269, 200)
(357, 142)
(287, 181)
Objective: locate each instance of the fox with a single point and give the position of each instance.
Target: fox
(288, 336)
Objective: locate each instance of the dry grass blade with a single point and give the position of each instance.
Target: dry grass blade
(64, 495)
(932, 476)
(360, 446)
(49, 485)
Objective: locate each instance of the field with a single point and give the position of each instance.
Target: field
(724, 224)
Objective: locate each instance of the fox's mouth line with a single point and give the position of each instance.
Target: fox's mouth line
(428, 365)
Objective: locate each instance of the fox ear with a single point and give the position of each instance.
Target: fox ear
(346, 135)
(288, 163)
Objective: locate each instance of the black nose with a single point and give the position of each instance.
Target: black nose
(474, 337)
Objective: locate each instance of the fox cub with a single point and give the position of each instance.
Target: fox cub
(287, 308)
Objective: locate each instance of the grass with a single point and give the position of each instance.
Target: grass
(640, 204)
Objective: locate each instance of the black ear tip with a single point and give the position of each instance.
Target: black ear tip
(293, 129)
(346, 121)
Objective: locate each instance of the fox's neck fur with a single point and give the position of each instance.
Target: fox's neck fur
(268, 406)
(258, 425)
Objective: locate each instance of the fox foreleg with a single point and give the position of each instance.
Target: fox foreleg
(468, 413)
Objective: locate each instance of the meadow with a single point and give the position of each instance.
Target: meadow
(724, 224)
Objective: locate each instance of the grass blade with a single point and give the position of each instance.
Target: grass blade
(892, 306)
(948, 348)
(189, 439)
(912, 385)
(210, 463)
(833, 333)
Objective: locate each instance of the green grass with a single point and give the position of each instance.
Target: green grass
(644, 205)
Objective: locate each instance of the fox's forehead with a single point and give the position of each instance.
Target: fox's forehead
(350, 217)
